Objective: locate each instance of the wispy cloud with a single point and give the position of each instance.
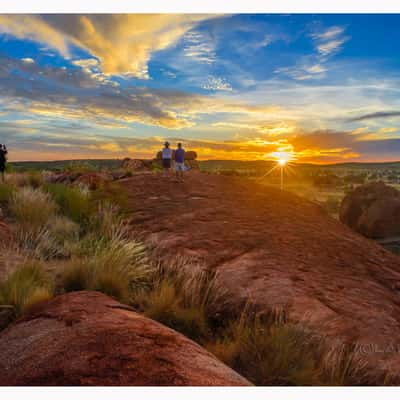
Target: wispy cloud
(375, 115)
(326, 43)
(199, 47)
(330, 40)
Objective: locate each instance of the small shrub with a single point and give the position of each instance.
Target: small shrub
(27, 285)
(32, 209)
(73, 202)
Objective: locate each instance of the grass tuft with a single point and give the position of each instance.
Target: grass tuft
(32, 209)
(73, 202)
(118, 268)
(57, 239)
(27, 285)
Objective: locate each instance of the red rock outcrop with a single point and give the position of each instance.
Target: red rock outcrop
(86, 338)
(277, 250)
(132, 164)
(93, 180)
(373, 210)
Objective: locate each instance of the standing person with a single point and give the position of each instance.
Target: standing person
(179, 162)
(3, 159)
(166, 159)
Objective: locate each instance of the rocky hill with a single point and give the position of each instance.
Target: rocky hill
(277, 251)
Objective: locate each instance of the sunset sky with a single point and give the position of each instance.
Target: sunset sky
(324, 88)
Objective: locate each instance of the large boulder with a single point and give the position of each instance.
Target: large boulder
(130, 164)
(373, 210)
(86, 338)
(190, 155)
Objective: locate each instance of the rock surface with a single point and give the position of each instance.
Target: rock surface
(277, 250)
(93, 180)
(133, 164)
(372, 210)
(86, 338)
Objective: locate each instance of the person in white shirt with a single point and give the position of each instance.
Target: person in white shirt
(166, 159)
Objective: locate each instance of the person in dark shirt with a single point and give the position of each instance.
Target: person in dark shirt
(179, 162)
(3, 160)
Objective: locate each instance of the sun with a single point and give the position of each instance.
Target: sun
(282, 162)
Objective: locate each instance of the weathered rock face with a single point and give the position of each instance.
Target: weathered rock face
(372, 210)
(86, 338)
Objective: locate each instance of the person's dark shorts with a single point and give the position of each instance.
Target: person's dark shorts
(2, 167)
(166, 163)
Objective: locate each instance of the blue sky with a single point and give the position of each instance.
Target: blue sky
(322, 88)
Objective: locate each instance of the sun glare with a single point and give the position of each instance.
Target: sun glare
(282, 162)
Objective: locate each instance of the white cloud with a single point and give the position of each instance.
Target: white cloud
(328, 34)
(329, 41)
(331, 47)
(28, 60)
(123, 43)
(199, 47)
(316, 69)
(216, 83)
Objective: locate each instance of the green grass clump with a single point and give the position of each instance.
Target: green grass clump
(56, 240)
(166, 305)
(183, 296)
(26, 286)
(279, 353)
(267, 354)
(32, 208)
(72, 201)
(118, 268)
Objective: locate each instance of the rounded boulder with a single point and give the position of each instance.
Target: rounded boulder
(87, 338)
(373, 210)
